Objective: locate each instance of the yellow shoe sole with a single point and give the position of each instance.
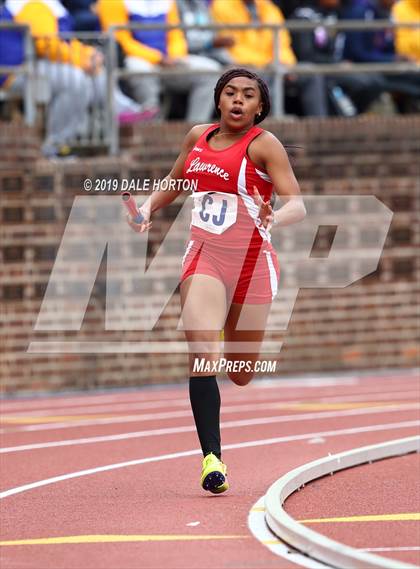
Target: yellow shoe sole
(213, 479)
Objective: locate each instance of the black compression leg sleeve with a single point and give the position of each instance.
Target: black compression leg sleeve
(205, 403)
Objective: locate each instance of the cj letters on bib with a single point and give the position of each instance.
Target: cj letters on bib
(214, 211)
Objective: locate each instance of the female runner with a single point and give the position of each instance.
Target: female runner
(230, 269)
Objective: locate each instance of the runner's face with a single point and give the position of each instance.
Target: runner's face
(239, 103)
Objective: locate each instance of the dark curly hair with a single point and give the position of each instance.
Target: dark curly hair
(242, 72)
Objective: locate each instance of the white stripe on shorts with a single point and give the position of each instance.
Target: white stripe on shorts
(188, 249)
(273, 275)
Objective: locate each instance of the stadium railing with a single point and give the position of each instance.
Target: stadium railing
(108, 132)
(96, 131)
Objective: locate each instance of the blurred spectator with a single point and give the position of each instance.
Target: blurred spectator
(348, 93)
(71, 74)
(255, 47)
(368, 46)
(149, 51)
(371, 46)
(287, 7)
(203, 42)
(407, 40)
(83, 13)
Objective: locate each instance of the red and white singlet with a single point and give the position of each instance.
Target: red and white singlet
(228, 240)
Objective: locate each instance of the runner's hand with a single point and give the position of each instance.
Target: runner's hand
(266, 211)
(140, 227)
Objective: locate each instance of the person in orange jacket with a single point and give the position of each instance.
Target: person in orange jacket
(407, 40)
(255, 47)
(148, 51)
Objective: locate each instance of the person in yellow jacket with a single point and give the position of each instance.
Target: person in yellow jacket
(71, 73)
(407, 40)
(147, 51)
(255, 47)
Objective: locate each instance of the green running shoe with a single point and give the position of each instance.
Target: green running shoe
(213, 475)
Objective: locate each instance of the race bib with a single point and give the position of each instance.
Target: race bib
(214, 211)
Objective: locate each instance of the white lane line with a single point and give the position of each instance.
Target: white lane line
(85, 399)
(93, 401)
(226, 409)
(337, 380)
(413, 548)
(167, 395)
(99, 408)
(374, 396)
(124, 406)
(111, 399)
(156, 395)
(144, 417)
(100, 421)
(259, 529)
(247, 444)
(144, 394)
(224, 425)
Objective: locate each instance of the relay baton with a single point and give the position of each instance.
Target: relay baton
(133, 210)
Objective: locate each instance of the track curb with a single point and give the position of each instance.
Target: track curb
(311, 543)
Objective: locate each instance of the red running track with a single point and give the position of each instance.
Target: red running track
(378, 504)
(111, 480)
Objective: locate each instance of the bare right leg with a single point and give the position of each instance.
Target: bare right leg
(203, 301)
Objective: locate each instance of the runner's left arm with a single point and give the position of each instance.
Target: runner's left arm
(270, 152)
